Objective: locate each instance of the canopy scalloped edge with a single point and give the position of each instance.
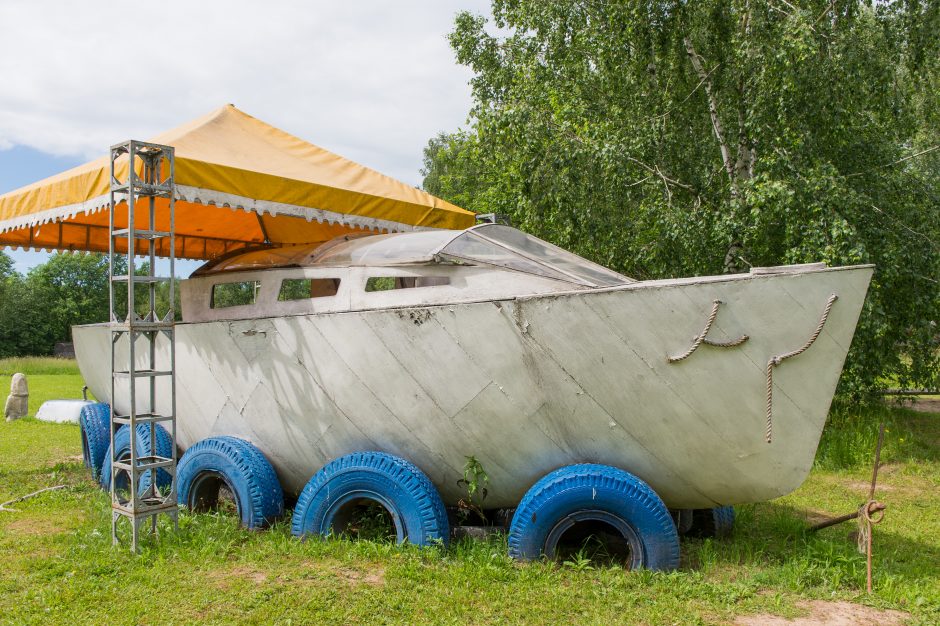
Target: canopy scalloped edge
(209, 197)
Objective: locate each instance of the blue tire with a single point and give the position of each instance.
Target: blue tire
(401, 488)
(122, 444)
(595, 493)
(717, 522)
(95, 423)
(241, 468)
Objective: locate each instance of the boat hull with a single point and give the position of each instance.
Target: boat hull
(528, 385)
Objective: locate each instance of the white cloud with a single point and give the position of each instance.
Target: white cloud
(370, 79)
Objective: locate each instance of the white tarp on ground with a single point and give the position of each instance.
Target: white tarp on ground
(61, 411)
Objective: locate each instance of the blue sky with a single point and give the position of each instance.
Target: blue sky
(21, 165)
(371, 80)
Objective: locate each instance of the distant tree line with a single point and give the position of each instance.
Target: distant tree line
(38, 309)
(676, 138)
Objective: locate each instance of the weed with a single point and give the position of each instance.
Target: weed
(579, 561)
(372, 522)
(474, 481)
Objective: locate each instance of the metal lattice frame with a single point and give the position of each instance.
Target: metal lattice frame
(134, 354)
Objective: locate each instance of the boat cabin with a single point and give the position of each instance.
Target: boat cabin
(352, 273)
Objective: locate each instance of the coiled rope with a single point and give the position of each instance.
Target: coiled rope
(866, 514)
(869, 514)
(701, 337)
(777, 360)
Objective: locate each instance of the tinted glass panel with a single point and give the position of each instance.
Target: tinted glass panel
(478, 250)
(552, 255)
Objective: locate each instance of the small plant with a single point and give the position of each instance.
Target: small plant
(579, 561)
(371, 522)
(474, 481)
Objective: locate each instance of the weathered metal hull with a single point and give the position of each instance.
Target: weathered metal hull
(527, 385)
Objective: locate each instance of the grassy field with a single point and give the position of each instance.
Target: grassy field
(59, 566)
(48, 378)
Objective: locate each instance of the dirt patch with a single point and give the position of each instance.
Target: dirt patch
(224, 579)
(862, 486)
(328, 574)
(375, 576)
(35, 526)
(923, 404)
(823, 613)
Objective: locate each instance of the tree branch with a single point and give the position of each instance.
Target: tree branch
(686, 99)
(713, 112)
(901, 160)
(3, 507)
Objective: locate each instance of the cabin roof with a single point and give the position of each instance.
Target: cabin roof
(491, 245)
(349, 250)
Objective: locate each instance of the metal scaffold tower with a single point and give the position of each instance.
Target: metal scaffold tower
(143, 347)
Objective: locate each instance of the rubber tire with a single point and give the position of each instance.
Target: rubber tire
(246, 472)
(717, 522)
(413, 502)
(95, 423)
(122, 442)
(595, 492)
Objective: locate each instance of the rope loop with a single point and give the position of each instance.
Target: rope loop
(701, 338)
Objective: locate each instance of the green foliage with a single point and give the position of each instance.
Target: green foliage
(294, 289)
(851, 436)
(142, 293)
(474, 481)
(6, 267)
(39, 309)
(380, 283)
(371, 522)
(671, 138)
(235, 294)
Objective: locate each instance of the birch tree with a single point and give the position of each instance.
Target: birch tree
(675, 138)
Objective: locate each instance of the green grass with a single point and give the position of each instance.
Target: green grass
(59, 566)
(48, 378)
(37, 365)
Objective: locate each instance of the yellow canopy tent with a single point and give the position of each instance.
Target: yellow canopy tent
(239, 182)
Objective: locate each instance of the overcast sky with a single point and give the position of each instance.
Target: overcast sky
(372, 80)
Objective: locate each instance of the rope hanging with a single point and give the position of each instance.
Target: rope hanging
(777, 360)
(701, 337)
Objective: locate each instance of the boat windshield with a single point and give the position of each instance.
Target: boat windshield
(502, 246)
(487, 244)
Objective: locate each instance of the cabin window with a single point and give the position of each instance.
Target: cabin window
(389, 283)
(234, 294)
(305, 288)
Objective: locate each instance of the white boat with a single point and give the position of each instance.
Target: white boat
(440, 345)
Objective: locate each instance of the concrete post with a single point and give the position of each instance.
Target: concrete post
(17, 404)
